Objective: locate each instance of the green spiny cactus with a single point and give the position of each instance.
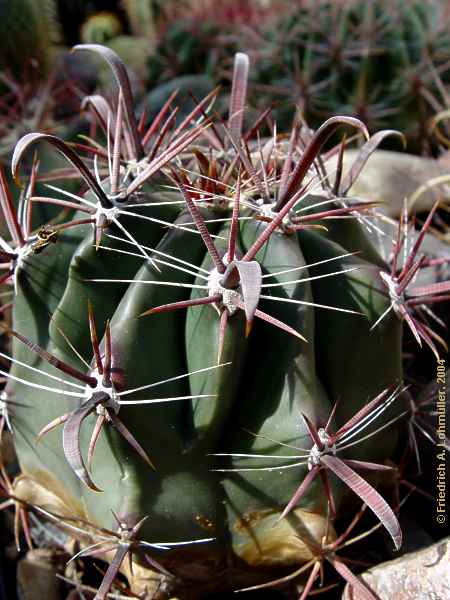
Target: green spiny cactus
(106, 28)
(29, 31)
(141, 18)
(385, 61)
(187, 331)
(100, 28)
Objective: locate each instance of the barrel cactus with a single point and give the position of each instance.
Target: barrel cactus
(204, 339)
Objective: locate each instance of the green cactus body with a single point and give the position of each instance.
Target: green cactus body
(132, 486)
(350, 234)
(202, 347)
(147, 350)
(280, 384)
(41, 285)
(272, 380)
(372, 357)
(88, 264)
(331, 56)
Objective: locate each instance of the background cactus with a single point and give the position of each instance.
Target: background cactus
(384, 61)
(326, 57)
(29, 31)
(187, 339)
(337, 55)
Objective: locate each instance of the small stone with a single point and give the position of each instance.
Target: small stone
(390, 177)
(421, 575)
(36, 576)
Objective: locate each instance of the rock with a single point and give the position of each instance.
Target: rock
(421, 575)
(390, 177)
(36, 576)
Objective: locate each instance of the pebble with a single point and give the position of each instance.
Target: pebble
(421, 575)
(36, 576)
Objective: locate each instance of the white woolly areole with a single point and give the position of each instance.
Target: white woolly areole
(315, 453)
(4, 409)
(267, 210)
(397, 300)
(3, 404)
(23, 252)
(215, 287)
(134, 168)
(110, 391)
(108, 213)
